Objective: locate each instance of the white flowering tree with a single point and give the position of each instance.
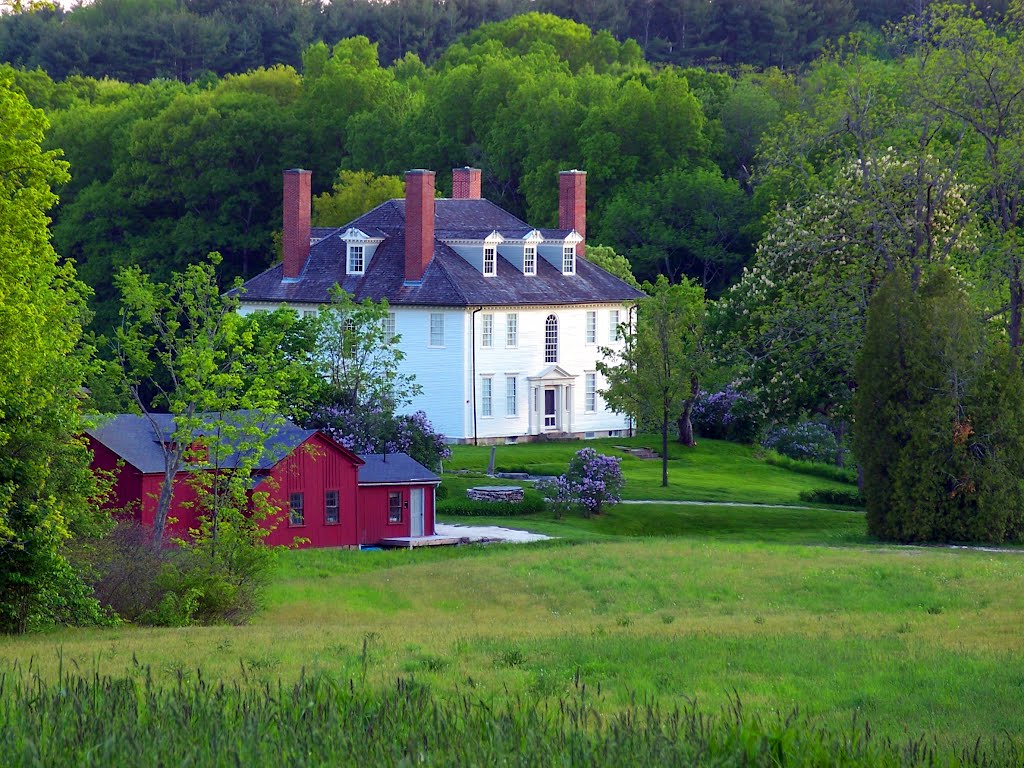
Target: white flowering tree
(795, 321)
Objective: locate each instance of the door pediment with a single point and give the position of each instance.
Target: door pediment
(553, 374)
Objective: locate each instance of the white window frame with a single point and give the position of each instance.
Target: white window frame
(512, 330)
(591, 331)
(390, 325)
(613, 325)
(350, 262)
(568, 259)
(487, 331)
(490, 264)
(511, 396)
(436, 338)
(550, 340)
(530, 260)
(590, 392)
(487, 396)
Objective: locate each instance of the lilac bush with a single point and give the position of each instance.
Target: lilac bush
(377, 430)
(591, 481)
(806, 440)
(726, 415)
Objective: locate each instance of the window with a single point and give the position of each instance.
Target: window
(591, 327)
(511, 405)
(512, 330)
(569, 260)
(309, 313)
(296, 515)
(394, 507)
(437, 329)
(331, 508)
(355, 259)
(487, 330)
(389, 328)
(551, 339)
(613, 326)
(486, 396)
(530, 260)
(490, 260)
(590, 393)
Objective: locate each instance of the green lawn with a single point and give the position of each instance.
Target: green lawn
(783, 608)
(714, 470)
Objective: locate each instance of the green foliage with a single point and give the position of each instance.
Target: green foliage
(842, 498)
(47, 493)
(814, 468)
(607, 259)
(354, 193)
(655, 373)
(126, 720)
(532, 503)
(939, 413)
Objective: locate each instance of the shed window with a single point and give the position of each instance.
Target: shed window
(551, 339)
(569, 260)
(331, 516)
(436, 329)
(512, 330)
(394, 507)
(511, 402)
(591, 327)
(490, 260)
(486, 396)
(614, 333)
(296, 513)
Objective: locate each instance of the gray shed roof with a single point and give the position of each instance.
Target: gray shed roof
(135, 440)
(393, 469)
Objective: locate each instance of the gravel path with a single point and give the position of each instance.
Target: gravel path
(488, 533)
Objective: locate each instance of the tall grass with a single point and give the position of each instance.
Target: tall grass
(131, 720)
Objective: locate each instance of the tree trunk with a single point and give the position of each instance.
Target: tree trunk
(684, 424)
(664, 449)
(163, 507)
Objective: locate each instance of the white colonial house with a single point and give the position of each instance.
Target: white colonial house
(500, 323)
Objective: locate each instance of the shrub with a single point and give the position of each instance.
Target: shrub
(806, 441)
(591, 481)
(532, 503)
(814, 468)
(840, 497)
(378, 431)
(726, 415)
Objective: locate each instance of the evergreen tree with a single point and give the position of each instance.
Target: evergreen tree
(939, 418)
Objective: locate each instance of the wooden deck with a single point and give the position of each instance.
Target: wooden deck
(409, 542)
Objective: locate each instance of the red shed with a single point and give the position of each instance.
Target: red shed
(328, 496)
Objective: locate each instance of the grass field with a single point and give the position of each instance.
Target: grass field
(714, 470)
(781, 608)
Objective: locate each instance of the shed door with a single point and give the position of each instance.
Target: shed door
(416, 515)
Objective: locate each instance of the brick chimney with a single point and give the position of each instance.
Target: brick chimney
(572, 204)
(297, 184)
(419, 223)
(466, 183)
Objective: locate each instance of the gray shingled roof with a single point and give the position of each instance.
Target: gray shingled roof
(134, 439)
(449, 280)
(393, 468)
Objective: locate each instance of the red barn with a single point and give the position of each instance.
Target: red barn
(328, 496)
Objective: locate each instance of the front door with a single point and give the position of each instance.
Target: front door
(416, 515)
(550, 414)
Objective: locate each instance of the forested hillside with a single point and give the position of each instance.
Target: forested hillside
(137, 40)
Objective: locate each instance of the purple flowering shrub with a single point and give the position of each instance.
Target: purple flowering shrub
(377, 430)
(806, 440)
(591, 481)
(726, 415)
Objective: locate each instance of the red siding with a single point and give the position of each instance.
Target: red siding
(373, 502)
(128, 482)
(315, 467)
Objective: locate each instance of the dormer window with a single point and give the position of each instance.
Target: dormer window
(530, 260)
(569, 260)
(356, 262)
(490, 261)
